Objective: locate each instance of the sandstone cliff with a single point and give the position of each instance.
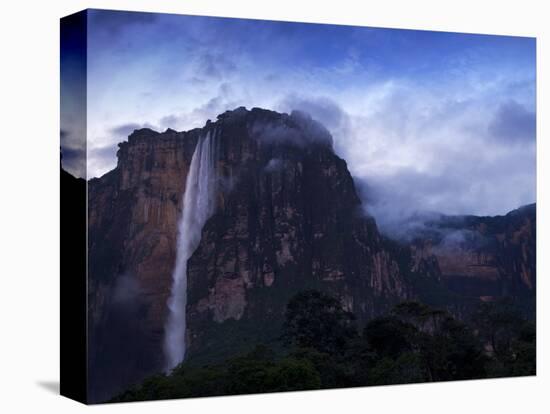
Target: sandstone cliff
(132, 221)
(287, 218)
(484, 257)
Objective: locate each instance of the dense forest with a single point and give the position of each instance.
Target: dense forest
(322, 347)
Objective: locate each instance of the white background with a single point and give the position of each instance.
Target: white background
(29, 215)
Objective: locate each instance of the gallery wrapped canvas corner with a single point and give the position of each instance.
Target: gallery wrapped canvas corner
(254, 206)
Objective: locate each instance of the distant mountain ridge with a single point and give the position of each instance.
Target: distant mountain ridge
(483, 256)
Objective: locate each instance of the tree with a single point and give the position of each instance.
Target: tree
(417, 342)
(524, 350)
(316, 320)
(498, 323)
(423, 317)
(259, 371)
(407, 368)
(452, 352)
(390, 337)
(511, 339)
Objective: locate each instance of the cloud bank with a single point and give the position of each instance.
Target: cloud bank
(426, 121)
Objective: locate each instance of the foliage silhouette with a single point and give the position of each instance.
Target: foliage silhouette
(322, 348)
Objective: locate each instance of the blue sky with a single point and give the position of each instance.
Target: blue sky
(426, 120)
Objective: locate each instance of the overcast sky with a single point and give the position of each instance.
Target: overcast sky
(426, 120)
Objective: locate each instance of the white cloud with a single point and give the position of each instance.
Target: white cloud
(419, 142)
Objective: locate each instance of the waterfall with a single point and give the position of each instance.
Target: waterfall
(198, 206)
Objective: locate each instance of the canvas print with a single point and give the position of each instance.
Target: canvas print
(253, 206)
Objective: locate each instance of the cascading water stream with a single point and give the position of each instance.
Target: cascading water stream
(198, 207)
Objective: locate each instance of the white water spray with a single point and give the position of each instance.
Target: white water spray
(198, 206)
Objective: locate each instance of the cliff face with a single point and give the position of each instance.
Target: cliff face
(485, 257)
(132, 223)
(287, 218)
